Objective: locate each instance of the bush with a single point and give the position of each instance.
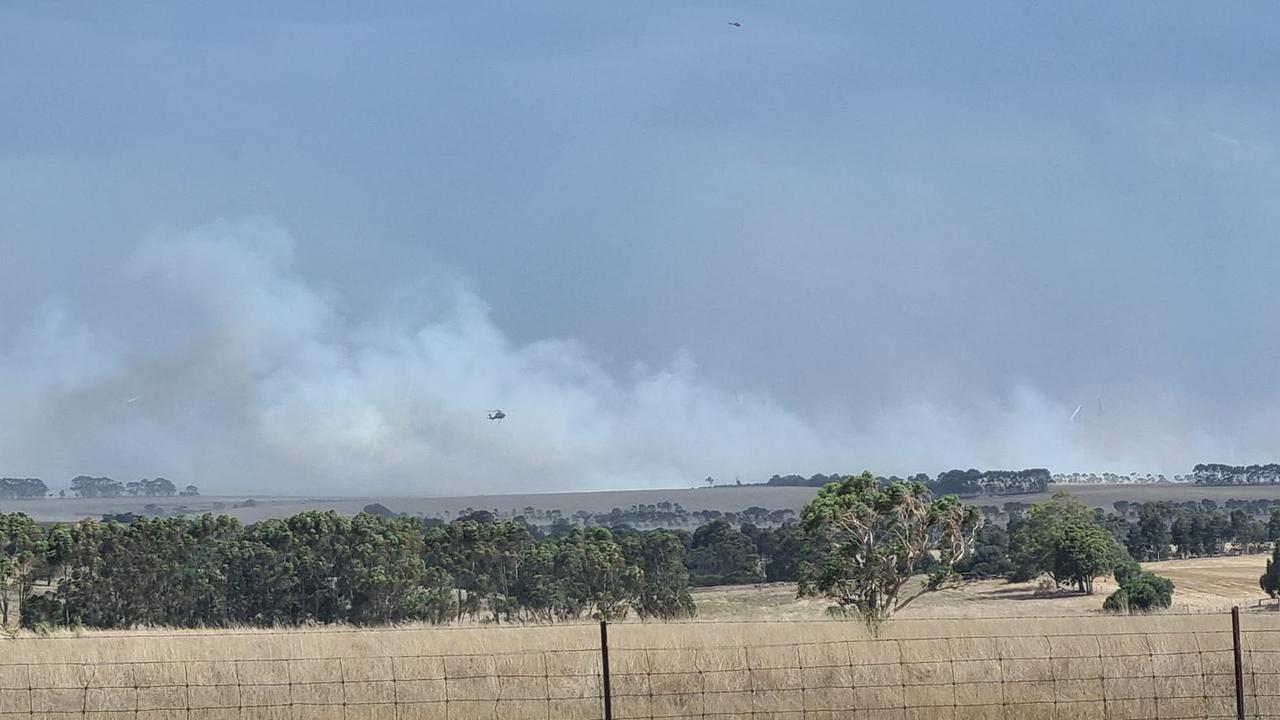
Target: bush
(1141, 592)
(1270, 580)
(1126, 570)
(1117, 602)
(40, 611)
(1149, 591)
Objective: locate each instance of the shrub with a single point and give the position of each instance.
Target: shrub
(1127, 569)
(1117, 602)
(40, 611)
(1140, 592)
(1270, 580)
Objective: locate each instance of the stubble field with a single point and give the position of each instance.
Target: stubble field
(692, 499)
(989, 650)
(723, 498)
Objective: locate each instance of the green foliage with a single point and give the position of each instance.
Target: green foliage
(1200, 529)
(1118, 527)
(990, 555)
(40, 611)
(1062, 537)
(967, 483)
(1125, 569)
(22, 550)
(664, 582)
(323, 567)
(1149, 591)
(96, 487)
(1117, 602)
(1084, 552)
(150, 488)
(1152, 538)
(722, 555)
(870, 540)
(22, 488)
(1140, 592)
(783, 550)
(1270, 580)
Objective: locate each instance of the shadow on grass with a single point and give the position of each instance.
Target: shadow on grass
(1026, 593)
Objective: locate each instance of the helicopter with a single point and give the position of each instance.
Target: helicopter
(497, 415)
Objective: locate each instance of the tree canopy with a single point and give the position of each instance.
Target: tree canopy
(1063, 538)
(871, 540)
(1139, 592)
(22, 488)
(21, 548)
(329, 568)
(1270, 580)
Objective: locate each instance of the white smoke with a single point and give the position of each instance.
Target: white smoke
(254, 379)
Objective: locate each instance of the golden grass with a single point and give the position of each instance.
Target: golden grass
(1202, 584)
(754, 653)
(1150, 667)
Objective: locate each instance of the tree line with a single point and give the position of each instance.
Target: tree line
(720, 551)
(84, 486)
(661, 515)
(964, 483)
(1072, 545)
(22, 488)
(322, 567)
(1152, 531)
(1219, 474)
(859, 543)
(968, 483)
(972, 482)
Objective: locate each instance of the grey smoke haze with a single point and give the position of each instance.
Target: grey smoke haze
(320, 245)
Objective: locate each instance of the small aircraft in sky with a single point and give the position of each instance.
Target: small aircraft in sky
(497, 415)
(735, 24)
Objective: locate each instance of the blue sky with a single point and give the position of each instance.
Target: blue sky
(844, 235)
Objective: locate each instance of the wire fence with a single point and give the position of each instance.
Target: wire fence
(1076, 676)
(533, 684)
(1169, 673)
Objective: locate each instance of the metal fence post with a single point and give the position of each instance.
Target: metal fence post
(1239, 655)
(604, 668)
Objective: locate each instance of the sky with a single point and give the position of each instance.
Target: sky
(306, 247)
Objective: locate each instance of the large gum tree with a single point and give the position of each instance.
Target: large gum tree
(873, 539)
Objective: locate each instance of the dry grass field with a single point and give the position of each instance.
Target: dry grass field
(1166, 666)
(693, 499)
(990, 650)
(1202, 585)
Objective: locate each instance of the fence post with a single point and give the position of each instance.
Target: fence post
(1239, 656)
(604, 667)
